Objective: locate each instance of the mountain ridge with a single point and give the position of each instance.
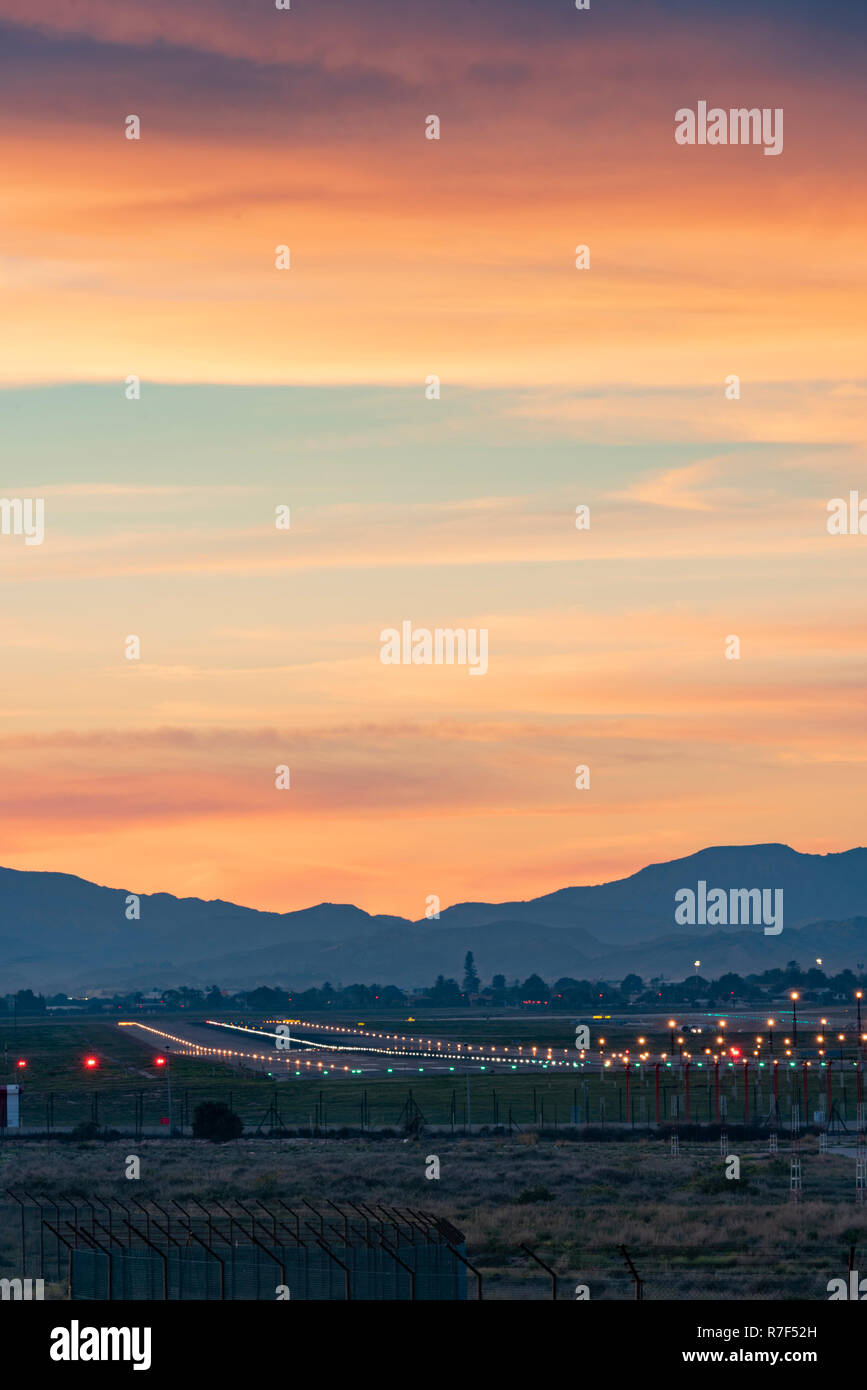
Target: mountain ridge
(60, 931)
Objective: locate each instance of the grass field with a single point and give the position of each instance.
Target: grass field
(691, 1232)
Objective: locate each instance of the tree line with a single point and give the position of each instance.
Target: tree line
(534, 993)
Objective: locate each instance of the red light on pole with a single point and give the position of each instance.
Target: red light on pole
(90, 1063)
(21, 1063)
(159, 1061)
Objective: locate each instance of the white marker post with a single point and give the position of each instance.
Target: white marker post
(9, 1107)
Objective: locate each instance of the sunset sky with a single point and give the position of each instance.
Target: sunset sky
(259, 387)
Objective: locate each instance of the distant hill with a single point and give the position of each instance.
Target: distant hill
(641, 907)
(56, 929)
(61, 932)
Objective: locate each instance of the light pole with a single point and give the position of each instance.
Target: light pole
(794, 998)
(771, 1034)
(166, 1062)
(858, 994)
(169, 1084)
(672, 1025)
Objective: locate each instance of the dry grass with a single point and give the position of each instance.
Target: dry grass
(691, 1232)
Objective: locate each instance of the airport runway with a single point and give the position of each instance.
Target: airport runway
(307, 1048)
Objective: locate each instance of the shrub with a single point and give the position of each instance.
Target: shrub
(215, 1121)
(89, 1129)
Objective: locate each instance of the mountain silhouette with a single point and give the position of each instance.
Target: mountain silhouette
(60, 932)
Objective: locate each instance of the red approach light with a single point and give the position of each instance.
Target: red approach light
(21, 1063)
(90, 1063)
(735, 1051)
(159, 1061)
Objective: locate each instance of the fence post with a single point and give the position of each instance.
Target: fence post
(638, 1282)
